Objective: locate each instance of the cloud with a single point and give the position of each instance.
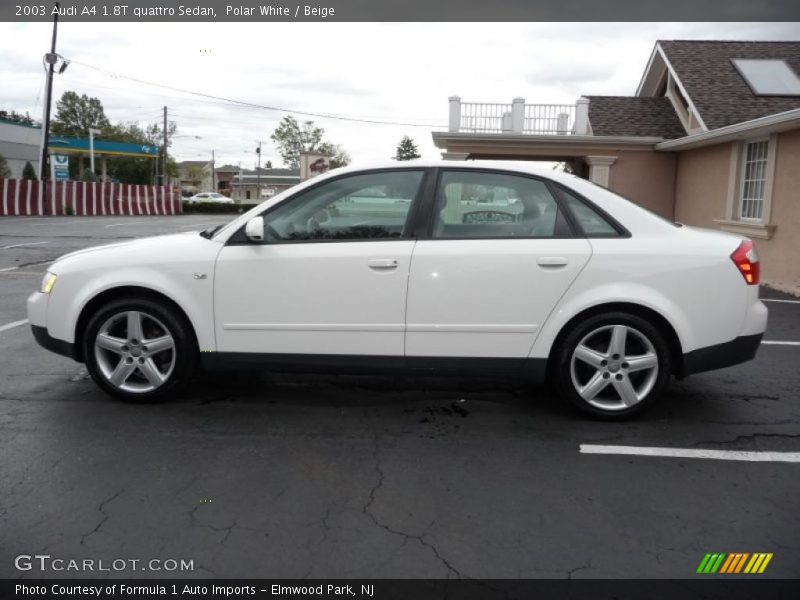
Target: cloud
(385, 71)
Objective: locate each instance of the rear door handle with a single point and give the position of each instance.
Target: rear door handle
(382, 263)
(552, 261)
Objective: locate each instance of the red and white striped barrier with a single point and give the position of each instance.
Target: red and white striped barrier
(86, 198)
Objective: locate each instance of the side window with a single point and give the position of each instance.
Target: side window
(592, 223)
(371, 206)
(474, 204)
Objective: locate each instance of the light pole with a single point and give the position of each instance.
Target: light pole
(92, 133)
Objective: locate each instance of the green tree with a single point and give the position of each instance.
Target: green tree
(291, 139)
(138, 170)
(5, 170)
(16, 117)
(339, 156)
(75, 115)
(407, 149)
(28, 172)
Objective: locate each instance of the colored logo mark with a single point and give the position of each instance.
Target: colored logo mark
(736, 562)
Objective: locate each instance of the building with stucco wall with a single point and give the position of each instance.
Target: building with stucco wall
(711, 138)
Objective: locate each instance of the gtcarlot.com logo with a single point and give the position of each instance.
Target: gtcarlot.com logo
(45, 562)
(734, 563)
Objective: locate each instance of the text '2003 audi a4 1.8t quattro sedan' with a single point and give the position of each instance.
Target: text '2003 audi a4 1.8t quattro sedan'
(417, 267)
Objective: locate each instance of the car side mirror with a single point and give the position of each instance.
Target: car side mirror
(254, 230)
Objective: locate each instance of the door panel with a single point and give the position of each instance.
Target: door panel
(500, 256)
(486, 298)
(332, 278)
(325, 298)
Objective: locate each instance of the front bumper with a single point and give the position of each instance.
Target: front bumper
(734, 352)
(48, 342)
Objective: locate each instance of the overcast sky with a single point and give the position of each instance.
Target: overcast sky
(394, 72)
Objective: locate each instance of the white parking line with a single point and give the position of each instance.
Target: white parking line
(781, 301)
(791, 457)
(775, 343)
(128, 223)
(39, 264)
(25, 244)
(8, 326)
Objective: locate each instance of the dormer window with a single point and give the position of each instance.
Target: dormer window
(768, 77)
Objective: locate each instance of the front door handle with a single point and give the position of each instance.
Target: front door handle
(382, 263)
(552, 261)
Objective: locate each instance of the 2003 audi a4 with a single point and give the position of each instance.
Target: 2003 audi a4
(423, 267)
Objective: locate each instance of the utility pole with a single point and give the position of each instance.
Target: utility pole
(164, 166)
(44, 165)
(258, 173)
(213, 173)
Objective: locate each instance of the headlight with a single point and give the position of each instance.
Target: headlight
(48, 282)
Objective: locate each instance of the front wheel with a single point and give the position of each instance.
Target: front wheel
(139, 350)
(613, 365)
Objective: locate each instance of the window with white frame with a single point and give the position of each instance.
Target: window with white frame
(754, 180)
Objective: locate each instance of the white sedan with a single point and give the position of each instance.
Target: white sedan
(209, 197)
(419, 267)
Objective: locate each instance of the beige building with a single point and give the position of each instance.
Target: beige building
(711, 138)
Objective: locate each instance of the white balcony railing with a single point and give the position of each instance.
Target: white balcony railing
(518, 117)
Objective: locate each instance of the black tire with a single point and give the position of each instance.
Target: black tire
(183, 362)
(651, 382)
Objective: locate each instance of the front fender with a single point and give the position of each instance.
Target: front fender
(194, 297)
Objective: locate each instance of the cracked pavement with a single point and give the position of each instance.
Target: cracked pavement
(293, 476)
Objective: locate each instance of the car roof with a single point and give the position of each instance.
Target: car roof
(519, 166)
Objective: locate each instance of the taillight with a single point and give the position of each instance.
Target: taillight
(745, 258)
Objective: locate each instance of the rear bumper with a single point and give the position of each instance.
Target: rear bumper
(738, 350)
(48, 342)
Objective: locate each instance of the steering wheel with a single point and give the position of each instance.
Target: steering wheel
(315, 224)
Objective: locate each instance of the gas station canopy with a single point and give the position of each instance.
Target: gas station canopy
(73, 145)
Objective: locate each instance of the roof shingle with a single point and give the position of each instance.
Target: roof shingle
(634, 116)
(715, 86)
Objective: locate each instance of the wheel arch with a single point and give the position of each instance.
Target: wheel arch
(645, 312)
(115, 293)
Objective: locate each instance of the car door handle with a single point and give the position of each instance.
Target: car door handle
(382, 263)
(552, 261)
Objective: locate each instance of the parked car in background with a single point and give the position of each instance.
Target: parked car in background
(209, 197)
(419, 267)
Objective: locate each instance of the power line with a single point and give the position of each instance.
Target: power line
(252, 104)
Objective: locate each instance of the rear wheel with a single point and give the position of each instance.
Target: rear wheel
(613, 365)
(140, 350)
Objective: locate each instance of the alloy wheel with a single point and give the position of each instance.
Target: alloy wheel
(135, 352)
(614, 367)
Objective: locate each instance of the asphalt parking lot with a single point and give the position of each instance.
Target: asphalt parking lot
(331, 476)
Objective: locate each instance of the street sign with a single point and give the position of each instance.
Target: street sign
(59, 165)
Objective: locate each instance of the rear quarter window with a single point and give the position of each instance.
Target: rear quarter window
(590, 220)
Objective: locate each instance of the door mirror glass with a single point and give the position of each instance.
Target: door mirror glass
(254, 230)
